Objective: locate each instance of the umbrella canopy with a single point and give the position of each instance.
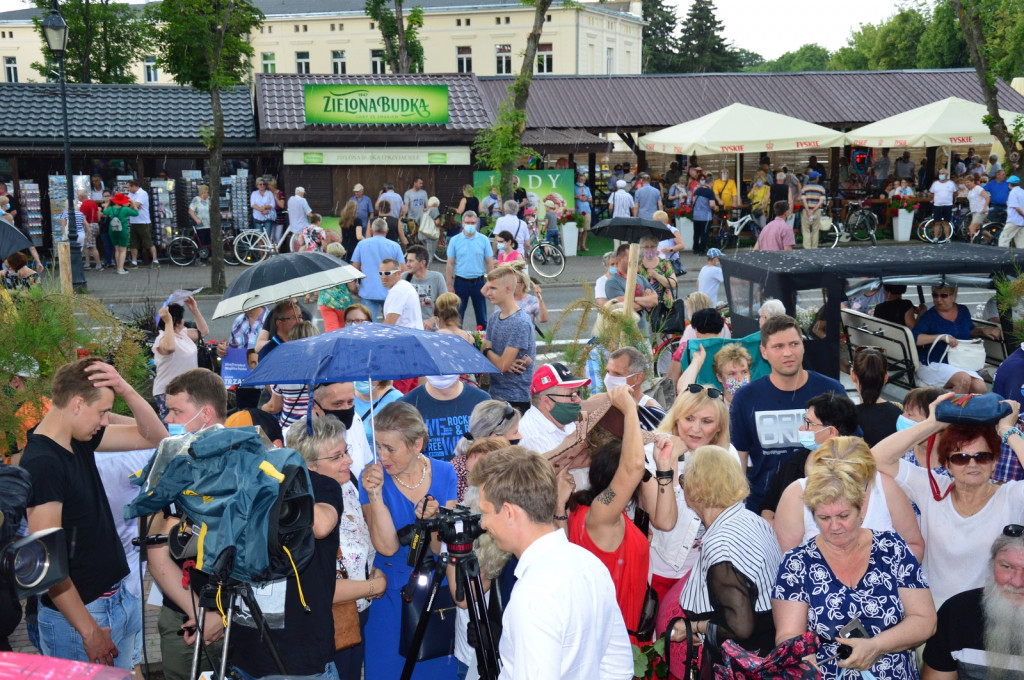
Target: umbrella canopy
(282, 277)
(739, 128)
(11, 241)
(950, 121)
(368, 351)
(631, 229)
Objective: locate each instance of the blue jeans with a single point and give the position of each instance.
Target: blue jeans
(263, 225)
(121, 612)
(470, 289)
(375, 307)
(330, 673)
(108, 249)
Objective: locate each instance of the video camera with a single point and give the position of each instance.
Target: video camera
(30, 565)
(458, 527)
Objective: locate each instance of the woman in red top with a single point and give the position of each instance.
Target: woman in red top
(597, 518)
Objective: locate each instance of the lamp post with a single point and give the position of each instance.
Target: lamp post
(55, 29)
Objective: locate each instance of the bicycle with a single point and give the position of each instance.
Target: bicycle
(663, 354)
(956, 225)
(546, 258)
(184, 249)
(441, 250)
(859, 225)
(252, 246)
(726, 232)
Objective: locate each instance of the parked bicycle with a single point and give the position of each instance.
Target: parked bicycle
(184, 249)
(725, 233)
(933, 231)
(860, 224)
(252, 246)
(546, 258)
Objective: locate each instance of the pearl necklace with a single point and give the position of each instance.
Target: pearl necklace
(422, 477)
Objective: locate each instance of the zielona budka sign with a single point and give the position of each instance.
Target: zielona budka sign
(376, 104)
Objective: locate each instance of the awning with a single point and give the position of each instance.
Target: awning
(379, 155)
(952, 121)
(565, 140)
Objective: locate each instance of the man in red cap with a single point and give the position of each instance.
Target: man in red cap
(555, 405)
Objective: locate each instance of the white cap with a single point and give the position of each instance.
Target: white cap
(621, 184)
(358, 187)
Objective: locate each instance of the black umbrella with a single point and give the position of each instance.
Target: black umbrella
(632, 229)
(282, 277)
(11, 241)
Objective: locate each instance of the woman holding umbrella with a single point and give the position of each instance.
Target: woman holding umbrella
(403, 486)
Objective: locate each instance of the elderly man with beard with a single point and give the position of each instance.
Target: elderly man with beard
(980, 632)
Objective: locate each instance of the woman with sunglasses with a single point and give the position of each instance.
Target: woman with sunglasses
(960, 515)
(490, 419)
(941, 327)
(326, 452)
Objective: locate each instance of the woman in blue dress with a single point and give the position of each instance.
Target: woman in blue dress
(943, 326)
(848, 572)
(393, 493)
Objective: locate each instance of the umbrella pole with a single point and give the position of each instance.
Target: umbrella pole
(627, 302)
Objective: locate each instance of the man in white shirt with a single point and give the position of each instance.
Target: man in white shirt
(140, 227)
(559, 623)
(710, 277)
(555, 406)
(298, 218)
(1013, 230)
(942, 190)
(621, 202)
(402, 305)
(511, 223)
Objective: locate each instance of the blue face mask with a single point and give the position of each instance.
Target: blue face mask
(613, 270)
(470, 229)
(904, 423)
(807, 440)
(362, 386)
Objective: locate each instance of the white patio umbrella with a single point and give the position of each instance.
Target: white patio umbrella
(739, 128)
(949, 122)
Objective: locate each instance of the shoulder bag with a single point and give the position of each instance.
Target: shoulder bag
(670, 319)
(205, 356)
(968, 354)
(439, 639)
(347, 632)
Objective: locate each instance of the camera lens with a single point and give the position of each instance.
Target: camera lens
(30, 564)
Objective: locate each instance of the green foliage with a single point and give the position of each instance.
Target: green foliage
(649, 660)
(49, 328)
(857, 53)
(702, 49)
(403, 51)
(897, 40)
(105, 40)
(500, 146)
(809, 57)
(660, 52)
(748, 59)
(942, 44)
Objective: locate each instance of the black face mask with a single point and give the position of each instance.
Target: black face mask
(515, 442)
(345, 415)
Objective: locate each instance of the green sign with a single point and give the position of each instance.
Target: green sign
(556, 186)
(376, 104)
(437, 158)
(308, 158)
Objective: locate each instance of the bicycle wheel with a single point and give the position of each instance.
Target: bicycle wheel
(828, 238)
(252, 247)
(927, 231)
(441, 250)
(229, 252)
(547, 260)
(182, 251)
(862, 225)
(663, 355)
(924, 231)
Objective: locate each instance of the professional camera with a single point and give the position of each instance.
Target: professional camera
(458, 527)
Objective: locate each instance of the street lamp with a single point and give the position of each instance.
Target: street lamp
(55, 30)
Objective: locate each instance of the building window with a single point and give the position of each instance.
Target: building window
(609, 60)
(548, 18)
(296, 28)
(464, 59)
(305, 27)
(332, 27)
(270, 29)
(269, 62)
(468, 20)
(3, 34)
(11, 69)
(152, 75)
(377, 66)
(458, 22)
(302, 62)
(545, 58)
(507, 20)
(497, 20)
(371, 25)
(503, 59)
(338, 62)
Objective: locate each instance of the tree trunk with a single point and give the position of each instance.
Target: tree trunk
(218, 282)
(86, 53)
(403, 53)
(974, 35)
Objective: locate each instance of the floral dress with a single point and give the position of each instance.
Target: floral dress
(664, 267)
(806, 577)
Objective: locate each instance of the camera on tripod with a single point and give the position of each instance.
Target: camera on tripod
(33, 564)
(458, 527)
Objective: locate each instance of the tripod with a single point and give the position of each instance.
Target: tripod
(235, 591)
(468, 586)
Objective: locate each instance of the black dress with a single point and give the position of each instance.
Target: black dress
(878, 421)
(893, 311)
(348, 238)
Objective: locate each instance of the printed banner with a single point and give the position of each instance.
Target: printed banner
(233, 367)
(376, 104)
(557, 186)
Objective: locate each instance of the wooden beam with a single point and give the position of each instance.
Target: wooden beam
(634, 264)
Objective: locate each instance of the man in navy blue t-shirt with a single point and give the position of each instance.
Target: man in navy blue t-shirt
(766, 413)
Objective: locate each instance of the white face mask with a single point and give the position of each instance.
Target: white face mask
(612, 381)
(442, 382)
(501, 247)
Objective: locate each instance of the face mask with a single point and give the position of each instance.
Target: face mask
(612, 271)
(501, 247)
(175, 430)
(362, 386)
(904, 423)
(515, 442)
(345, 415)
(942, 177)
(470, 229)
(733, 384)
(566, 413)
(760, 184)
(807, 440)
(442, 382)
(725, 177)
(612, 381)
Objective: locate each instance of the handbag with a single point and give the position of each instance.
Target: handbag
(428, 229)
(205, 356)
(785, 662)
(825, 223)
(670, 319)
(648, 612)
(347, 631)
(694, 668)
(972, 409)
(439, 638)
(968, 354)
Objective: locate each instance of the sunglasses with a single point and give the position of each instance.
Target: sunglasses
(506, 416)
(713, 392)
(981, 457)
(1013, 530)
(942, 295)
(869, 349)
(389, 272)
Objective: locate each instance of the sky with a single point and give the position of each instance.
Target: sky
(768, 27)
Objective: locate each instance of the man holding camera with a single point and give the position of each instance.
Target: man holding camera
(559, 623)
(91, 616)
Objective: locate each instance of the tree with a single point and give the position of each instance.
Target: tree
(969, 14)
(942, 45)
(105, 39)
(660, 53)
(855, 55)
(897, 40)
(402, 49)
(205, 44)
(749, 60)
(702, 49)
(809, 57)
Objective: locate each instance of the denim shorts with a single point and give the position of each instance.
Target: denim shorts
(121, 612)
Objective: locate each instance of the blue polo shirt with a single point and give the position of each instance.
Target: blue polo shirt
(647, 198)
(368, 253)
(365, 209)
(999, 191)
(470, 255)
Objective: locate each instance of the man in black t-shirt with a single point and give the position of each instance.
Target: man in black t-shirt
(980, 632)
(92, 615)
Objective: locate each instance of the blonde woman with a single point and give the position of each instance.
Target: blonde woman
(468, 201)
(446, 310)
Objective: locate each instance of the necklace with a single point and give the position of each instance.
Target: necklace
(422, 477)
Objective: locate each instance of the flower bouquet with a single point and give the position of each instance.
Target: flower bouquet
(478, 337)
(567, 217)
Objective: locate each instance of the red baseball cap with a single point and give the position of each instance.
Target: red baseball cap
(554, 375)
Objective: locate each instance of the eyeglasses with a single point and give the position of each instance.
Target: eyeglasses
(570, 396)
(389, 272)
(1013, 530)
(336, 457)
(351, 321)
(942, 295)
(713, 392)
(808, 424)
(981, 457)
